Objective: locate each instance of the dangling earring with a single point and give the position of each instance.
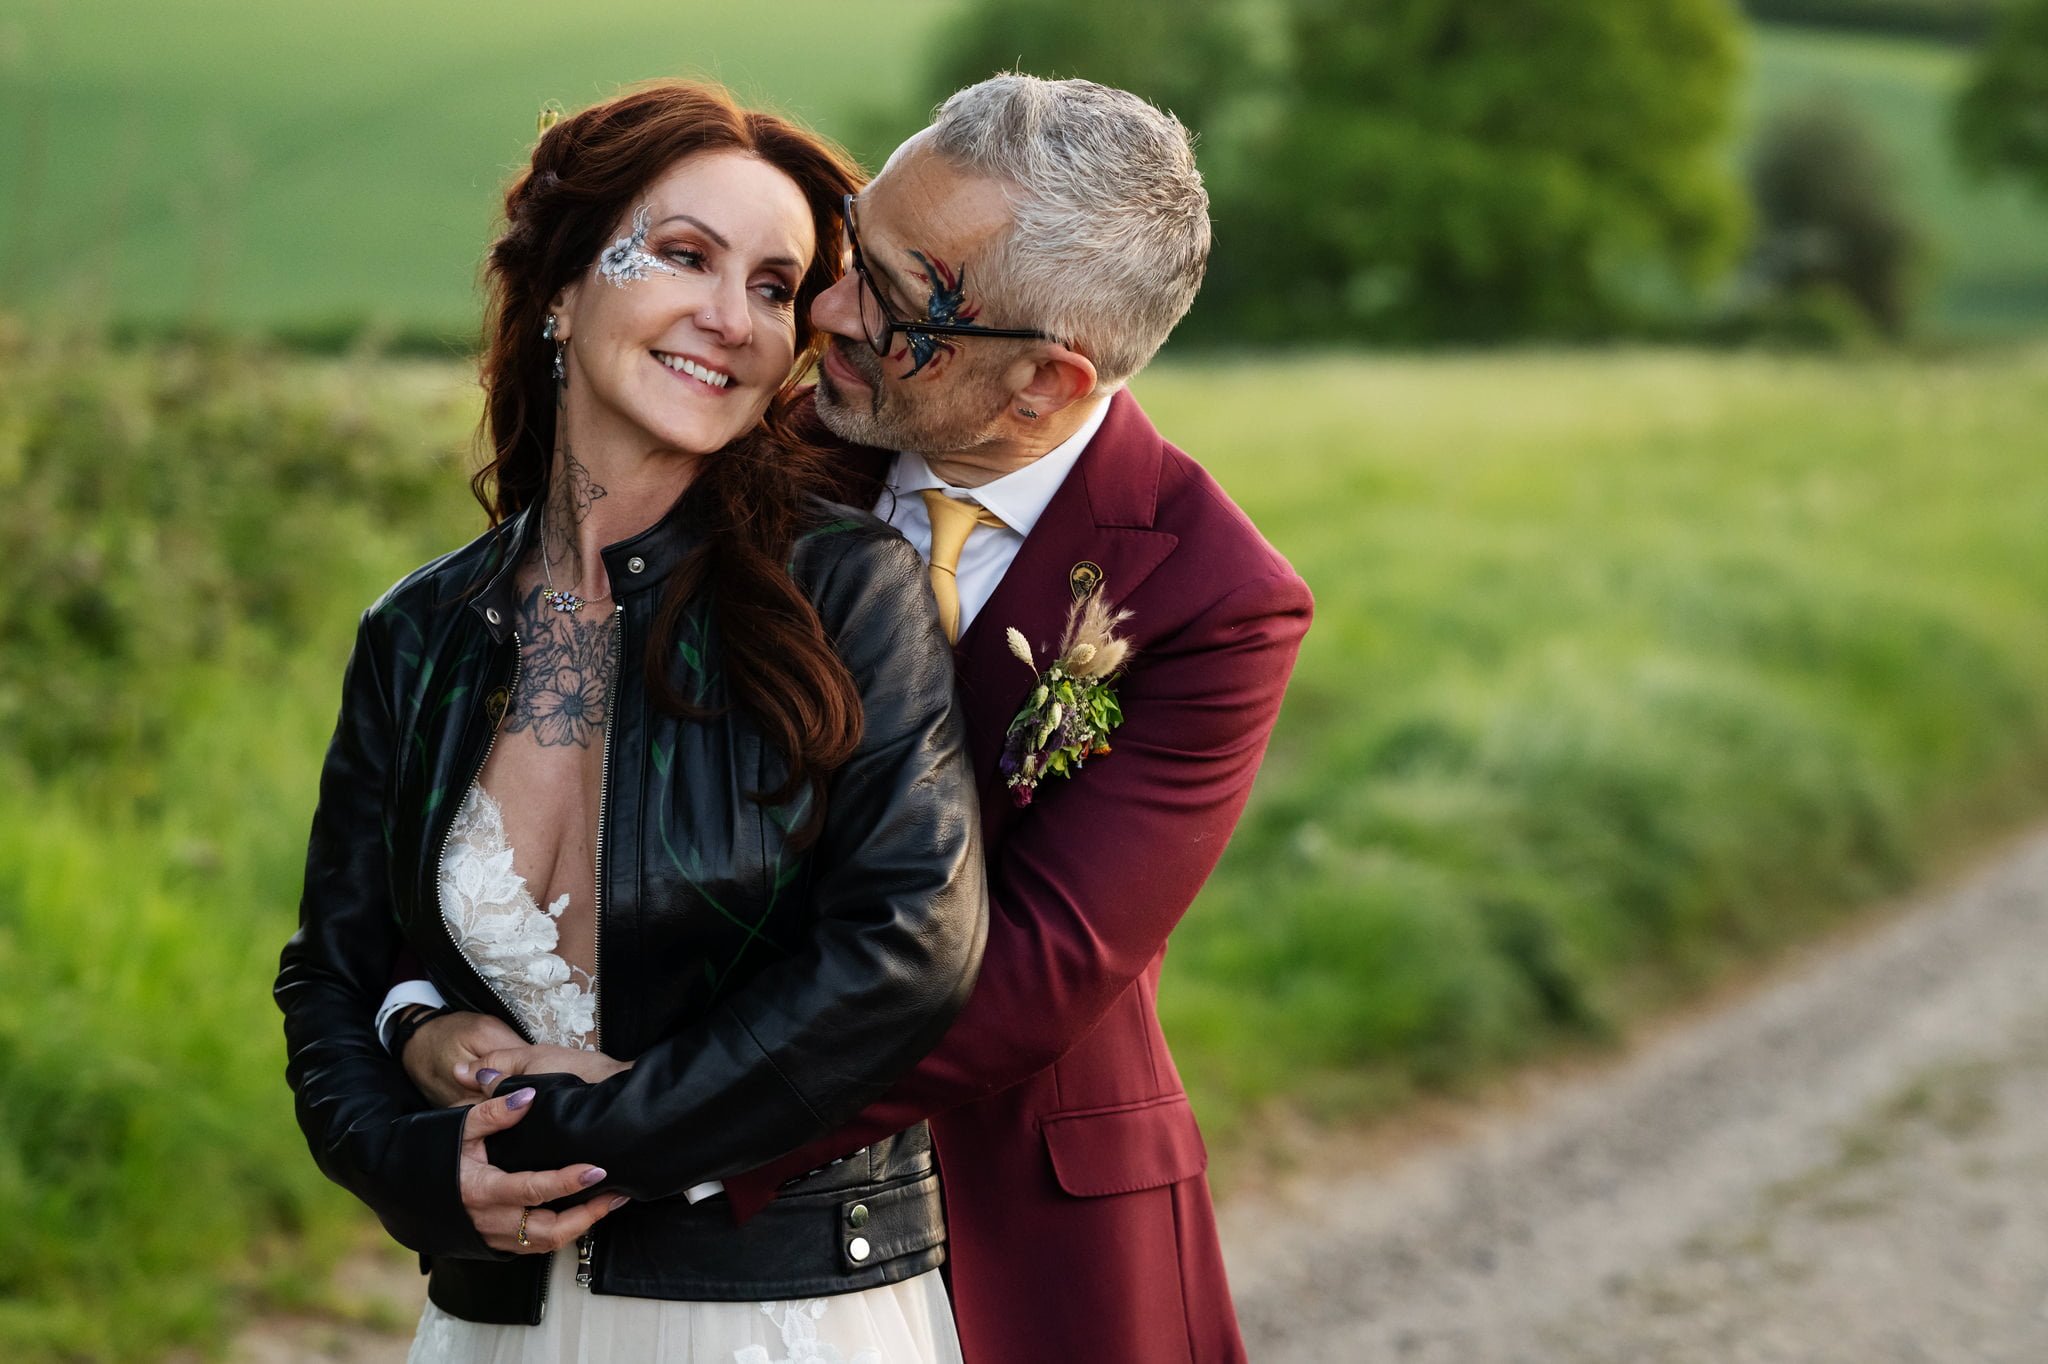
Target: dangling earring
(547, 333)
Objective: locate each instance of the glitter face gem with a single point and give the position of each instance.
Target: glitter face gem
(627, 259)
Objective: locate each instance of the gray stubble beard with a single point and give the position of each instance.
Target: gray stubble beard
(927, 429)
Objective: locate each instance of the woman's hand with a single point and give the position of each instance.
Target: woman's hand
(522, 1058)
(450, 1044)
(504, 1204)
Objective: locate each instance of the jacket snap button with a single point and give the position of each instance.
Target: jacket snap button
(491, 614)
(857, 1215)
(857, 1249)
(636, 564)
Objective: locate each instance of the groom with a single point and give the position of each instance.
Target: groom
(1011, 268)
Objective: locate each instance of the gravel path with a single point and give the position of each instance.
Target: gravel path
(1847, 1166)
(1850, 1164)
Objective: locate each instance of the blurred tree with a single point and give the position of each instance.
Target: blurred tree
(1831, 223)
(1471, 170)
(1190, 57)
(2002, 118)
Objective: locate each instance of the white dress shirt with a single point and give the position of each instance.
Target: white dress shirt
(1019, 498)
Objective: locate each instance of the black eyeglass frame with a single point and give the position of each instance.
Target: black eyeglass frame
(891, 324)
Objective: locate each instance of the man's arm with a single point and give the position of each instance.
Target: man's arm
(1091, 882)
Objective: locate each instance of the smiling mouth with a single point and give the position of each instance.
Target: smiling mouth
(703, 374)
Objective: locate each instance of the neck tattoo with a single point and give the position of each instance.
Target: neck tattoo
(568, 603)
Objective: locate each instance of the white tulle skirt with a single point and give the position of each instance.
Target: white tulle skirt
(902, 1323)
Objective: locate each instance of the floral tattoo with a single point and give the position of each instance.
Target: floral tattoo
(565, 675)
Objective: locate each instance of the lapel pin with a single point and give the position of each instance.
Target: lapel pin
(1083, 578)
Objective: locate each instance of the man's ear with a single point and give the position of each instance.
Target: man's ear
(1059, 376)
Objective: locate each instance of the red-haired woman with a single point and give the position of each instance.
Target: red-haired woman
(662, 773)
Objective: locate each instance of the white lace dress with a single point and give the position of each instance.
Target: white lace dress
(511, 941)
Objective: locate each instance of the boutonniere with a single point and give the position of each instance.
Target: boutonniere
(1071, 710)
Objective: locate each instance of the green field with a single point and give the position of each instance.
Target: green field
(1628, 668)
(255, 165)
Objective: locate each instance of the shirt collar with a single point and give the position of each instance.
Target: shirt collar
(1019, 497)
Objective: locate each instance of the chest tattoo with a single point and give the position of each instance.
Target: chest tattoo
(565, 675)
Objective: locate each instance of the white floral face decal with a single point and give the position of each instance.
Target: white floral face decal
(627, 259)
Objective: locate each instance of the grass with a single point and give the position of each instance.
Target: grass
(1989, 242)
(1628, 667)
(254, 163)
(245, 164)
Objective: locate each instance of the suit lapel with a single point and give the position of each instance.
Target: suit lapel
(1102, 515)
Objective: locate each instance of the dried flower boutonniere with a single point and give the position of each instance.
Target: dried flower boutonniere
(1069, 714)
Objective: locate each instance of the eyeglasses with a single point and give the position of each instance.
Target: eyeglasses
(881, 324)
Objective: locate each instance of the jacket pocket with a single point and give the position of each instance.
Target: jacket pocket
(1102, 1151)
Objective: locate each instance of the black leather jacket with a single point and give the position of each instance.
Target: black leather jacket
(764, 996)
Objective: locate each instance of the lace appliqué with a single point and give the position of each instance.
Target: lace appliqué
(505, 934)
(798, 1323)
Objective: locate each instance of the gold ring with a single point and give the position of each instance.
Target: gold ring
(522, 1226)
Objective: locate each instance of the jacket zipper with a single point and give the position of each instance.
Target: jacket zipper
(586, 1245)
(511, 1014)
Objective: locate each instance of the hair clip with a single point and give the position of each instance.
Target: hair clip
(550, 115)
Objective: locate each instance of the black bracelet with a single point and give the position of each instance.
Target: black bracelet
(408, 1021)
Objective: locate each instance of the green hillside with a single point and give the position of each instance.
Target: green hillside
(259, 165)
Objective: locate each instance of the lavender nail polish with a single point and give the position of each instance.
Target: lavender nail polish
(520, 1100)
(591, 1176)
(488, 1077)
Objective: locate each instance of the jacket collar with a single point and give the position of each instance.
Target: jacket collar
(636, 564)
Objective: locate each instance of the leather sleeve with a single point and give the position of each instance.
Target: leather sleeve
(1090, 883)
(367, 1126)
(899, 915)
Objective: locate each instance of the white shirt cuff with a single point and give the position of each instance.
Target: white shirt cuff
(406, 992)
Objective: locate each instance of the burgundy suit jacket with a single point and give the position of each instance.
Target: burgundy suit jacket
(1077, 1208)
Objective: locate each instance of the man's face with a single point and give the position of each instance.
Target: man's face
(927, 233)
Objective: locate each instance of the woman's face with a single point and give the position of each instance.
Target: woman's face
(685, 326)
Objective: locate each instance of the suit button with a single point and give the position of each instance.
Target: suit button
(857, 1249)
(857, 1215)
(636, 564)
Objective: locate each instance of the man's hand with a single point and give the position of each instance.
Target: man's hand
(453, 1040)
(505, 1205)
(521, 1058)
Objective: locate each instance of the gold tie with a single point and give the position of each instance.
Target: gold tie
(953, 520)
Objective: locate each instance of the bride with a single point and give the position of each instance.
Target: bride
(662, 773)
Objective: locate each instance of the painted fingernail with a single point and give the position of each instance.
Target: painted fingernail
(619, 1202)
(488, 1077)
(521, 1099)
(591, 1176)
